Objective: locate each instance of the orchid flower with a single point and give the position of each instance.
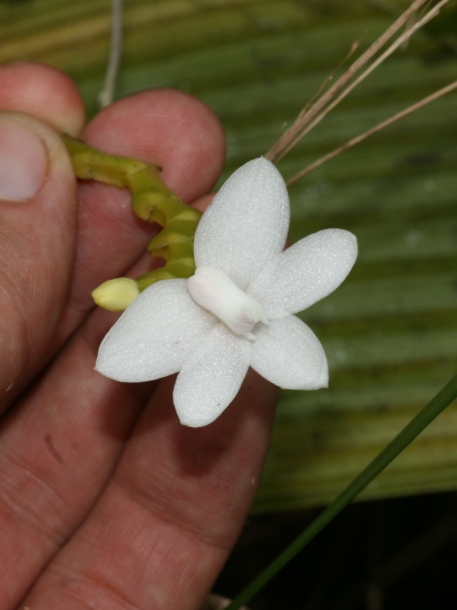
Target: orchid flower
(237, 309)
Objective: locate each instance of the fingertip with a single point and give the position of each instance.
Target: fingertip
(170, 128)
(38, 208)
(23, 160)
(30, 154)
(43, 92)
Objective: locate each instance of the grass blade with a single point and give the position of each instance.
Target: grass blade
(444, 398)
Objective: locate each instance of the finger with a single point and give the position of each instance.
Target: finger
(61, 444)
(43, 92)
(174, 508)
(169, 128)
(38, 215)
(57, 452)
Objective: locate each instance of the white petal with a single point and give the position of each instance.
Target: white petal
(305, 273)
(246, 224)
(288, 353)
(210, 379)
(154, 335)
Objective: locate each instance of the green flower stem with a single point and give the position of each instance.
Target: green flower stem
(152, 201)
(443, 399)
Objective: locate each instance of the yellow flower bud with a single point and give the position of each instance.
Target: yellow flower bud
(117, 294)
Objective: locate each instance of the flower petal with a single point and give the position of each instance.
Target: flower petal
(210, 379)
(246, 224)
(153, 336)
(305, 273)
(288, 353)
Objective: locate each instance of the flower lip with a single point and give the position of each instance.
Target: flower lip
(213, 290)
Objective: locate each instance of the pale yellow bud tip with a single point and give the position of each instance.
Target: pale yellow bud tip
(117, 294)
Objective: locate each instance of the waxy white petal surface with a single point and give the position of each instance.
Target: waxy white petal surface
(288, 353)
(154, 335)
(237, 309)
(305, 273)
(211, 378)
(246, 224)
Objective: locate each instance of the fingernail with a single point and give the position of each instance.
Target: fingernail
(23, 161)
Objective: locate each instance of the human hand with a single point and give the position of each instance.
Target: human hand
(106, 501)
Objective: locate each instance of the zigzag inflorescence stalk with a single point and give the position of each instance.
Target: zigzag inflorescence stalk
(152, 201)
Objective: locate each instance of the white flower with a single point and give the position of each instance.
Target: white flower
(237, 310)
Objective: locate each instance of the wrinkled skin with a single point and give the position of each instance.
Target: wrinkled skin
(106, 501)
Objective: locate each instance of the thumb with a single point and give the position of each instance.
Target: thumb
(37, 235)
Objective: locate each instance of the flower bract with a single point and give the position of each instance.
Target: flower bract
(238, 309)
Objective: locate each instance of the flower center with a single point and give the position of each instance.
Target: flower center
(215, 291)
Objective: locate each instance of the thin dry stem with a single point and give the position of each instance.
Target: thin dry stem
(401, 40)
(373, 130)
(308, 117)
(107, 94)
(317, 95)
